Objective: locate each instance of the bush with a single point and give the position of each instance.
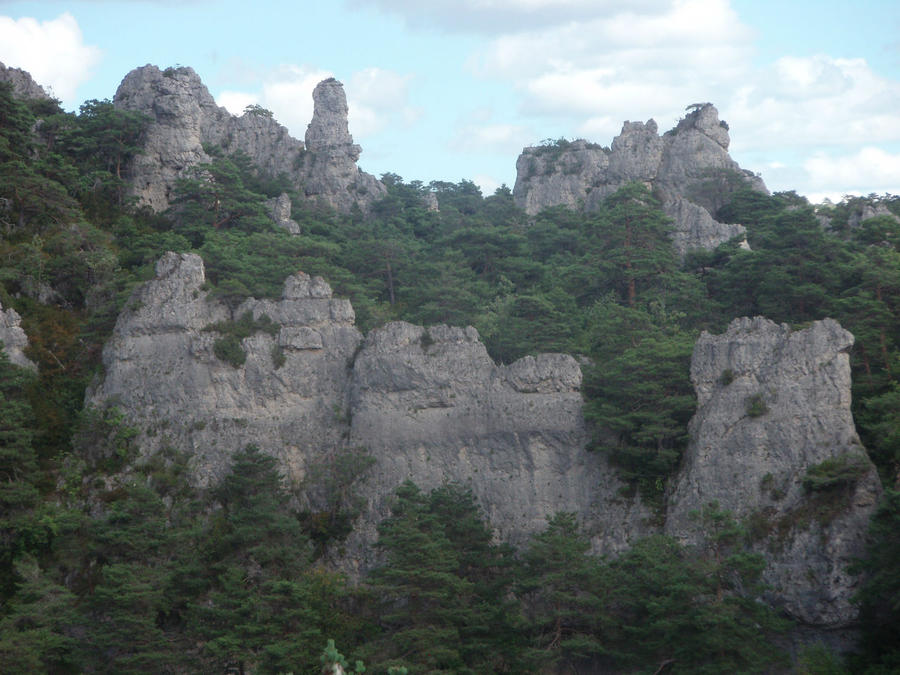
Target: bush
(835, 473)
(229, 350)
(756, 406)
(228, 347)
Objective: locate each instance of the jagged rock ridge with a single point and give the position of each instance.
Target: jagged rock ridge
(184, 116)
(688, 168)
(772, 403)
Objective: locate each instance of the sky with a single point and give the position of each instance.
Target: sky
(454, 89)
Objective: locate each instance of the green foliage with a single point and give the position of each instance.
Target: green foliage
(878, 594)
(330, 488)
(228, 347)
(441, 590)
(331, 658)
(835, 473)
(257, 110)
(755, 405)
(104, 438)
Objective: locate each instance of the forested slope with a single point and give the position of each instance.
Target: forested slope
(152, 574)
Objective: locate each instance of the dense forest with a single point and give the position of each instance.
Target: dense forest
(105, 571)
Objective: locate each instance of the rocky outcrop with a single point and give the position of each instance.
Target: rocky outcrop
(688, 168)
(161, 368)
(431, 406)
(427, 404)
(22, 83)
(184, 117)
(330, 163)
(13, 340)
(773, 404)
(280, 210)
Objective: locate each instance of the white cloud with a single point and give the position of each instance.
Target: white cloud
(287, 92)
(814, 101)
(503, 16)
(480, 137)
(869, 170)
(235, 101)
(52, 51)
(623, 65)
(488, 184)
(376, 98)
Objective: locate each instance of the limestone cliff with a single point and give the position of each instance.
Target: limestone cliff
(13, 339)
(428, 404)
(773, 404)
(431, 406)
(689, 169)
(184, 117)
(161, 368)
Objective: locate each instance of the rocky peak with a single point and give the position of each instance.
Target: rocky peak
(704, 118)
(772, 405)
(184, 117)
(688, 168)
(22, 83)
(329, 130)
(13, 340)
(330, 167)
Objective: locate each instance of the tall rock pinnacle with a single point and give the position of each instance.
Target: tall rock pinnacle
(331, 174)
(328, 130)
(184, 117)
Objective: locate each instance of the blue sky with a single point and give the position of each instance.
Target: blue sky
(452, 89)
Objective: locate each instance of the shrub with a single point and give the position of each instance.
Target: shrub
(228, 349)
(756, 406)
(835, 473)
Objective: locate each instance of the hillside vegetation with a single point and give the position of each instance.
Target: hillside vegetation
(154, 575)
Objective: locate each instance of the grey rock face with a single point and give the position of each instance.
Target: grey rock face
(429, 405)
(330, 164)
(22, 83)
(688, 168)
(432, 407)
(162, 371)
(771, 404)
(548, 176)
(13, 339)
(184, 117)
(280, 209)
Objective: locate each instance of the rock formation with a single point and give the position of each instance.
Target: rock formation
(772, 404)
(428, 404)
(184, 117)
(13, 339)
(161, 368)
(431, 406)
(330, 160)
(688, 168)
(22, 83)
(280, 210)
